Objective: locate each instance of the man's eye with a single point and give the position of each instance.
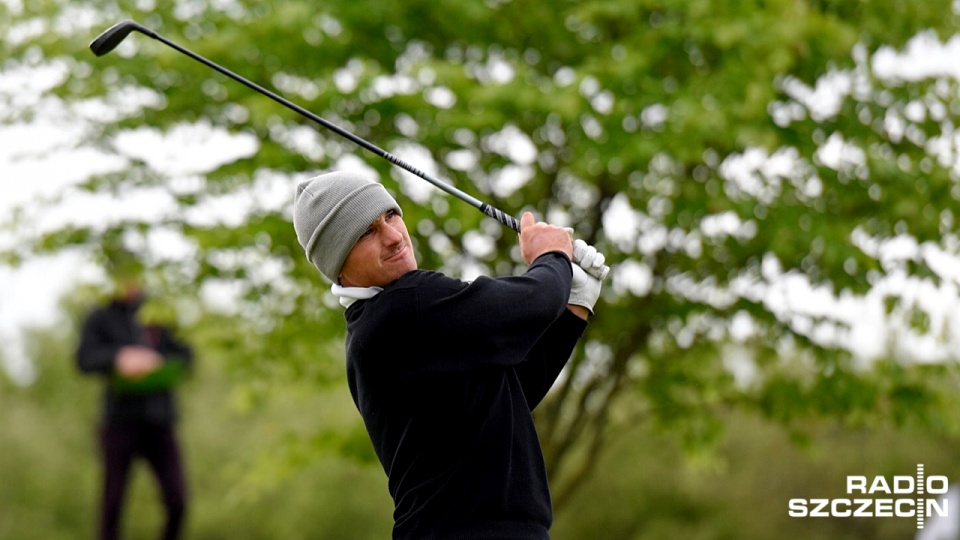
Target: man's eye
(391, 214)
(367, 232)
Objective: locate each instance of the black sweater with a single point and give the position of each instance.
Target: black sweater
(445, 375)
(104, 332)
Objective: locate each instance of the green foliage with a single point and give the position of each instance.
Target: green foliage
(248, 476)
(650, 491)
(644, 105)
(275, 472)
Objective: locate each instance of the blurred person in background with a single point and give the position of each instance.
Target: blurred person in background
(140, 362)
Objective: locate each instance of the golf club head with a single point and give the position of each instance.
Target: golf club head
(111, 37)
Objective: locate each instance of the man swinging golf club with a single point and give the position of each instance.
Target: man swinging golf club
(445, 373)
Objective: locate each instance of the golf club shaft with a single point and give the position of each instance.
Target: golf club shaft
(113, 36)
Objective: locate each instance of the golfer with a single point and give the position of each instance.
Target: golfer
(445, 373)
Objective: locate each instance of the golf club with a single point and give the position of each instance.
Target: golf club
(113, 36)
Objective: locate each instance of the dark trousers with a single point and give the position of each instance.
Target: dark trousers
(157, 444)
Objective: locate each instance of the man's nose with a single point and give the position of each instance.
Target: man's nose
(391, 235)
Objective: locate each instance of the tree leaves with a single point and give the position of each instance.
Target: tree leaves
(746, 165)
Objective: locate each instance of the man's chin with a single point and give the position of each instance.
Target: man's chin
(400, 269)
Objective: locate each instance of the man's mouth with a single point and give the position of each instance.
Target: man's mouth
(399, 252)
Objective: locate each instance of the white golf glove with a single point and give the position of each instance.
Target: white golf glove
(585, 289)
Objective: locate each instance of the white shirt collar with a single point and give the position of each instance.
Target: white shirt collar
(349, 295)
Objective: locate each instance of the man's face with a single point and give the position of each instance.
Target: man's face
(381, 255)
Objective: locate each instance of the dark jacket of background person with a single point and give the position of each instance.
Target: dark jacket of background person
(104, 332)
(445, 374)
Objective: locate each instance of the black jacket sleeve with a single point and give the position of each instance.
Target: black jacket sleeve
(170, 346)
(97, 349)
(548, 356)
(463, 326)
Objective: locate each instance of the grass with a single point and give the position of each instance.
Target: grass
(260, 473)
(239, 485)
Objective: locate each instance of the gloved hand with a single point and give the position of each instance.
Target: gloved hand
(585, 289)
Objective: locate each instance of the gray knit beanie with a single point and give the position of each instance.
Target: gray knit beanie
(332, 211)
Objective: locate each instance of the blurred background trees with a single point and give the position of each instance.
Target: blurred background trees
(774, 183)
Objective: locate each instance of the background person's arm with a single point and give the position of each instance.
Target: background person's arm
(97, 351)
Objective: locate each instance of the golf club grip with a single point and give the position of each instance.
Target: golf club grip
(500, 216)
(508, 220)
